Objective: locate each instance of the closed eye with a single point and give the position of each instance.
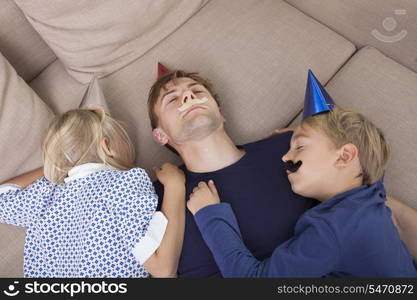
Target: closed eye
(299, 147)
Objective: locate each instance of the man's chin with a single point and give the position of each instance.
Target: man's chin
(201, 125)
(197, 128)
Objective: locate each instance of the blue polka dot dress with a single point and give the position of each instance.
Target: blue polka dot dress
(86, 227)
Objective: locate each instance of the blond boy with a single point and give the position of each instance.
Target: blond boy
(338, 157)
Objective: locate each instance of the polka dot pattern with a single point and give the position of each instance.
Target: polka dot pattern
(85, 228)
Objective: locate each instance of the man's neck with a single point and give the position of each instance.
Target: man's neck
(211, 153)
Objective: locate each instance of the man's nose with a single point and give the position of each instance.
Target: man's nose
(188, 95)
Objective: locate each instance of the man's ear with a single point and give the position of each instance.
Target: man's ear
(105, 144)
(347, 154)
(160, 137)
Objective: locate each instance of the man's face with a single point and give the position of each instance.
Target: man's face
(318, 155)
(197, 121)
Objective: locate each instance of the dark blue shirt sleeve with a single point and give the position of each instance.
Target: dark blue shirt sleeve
(312, 253)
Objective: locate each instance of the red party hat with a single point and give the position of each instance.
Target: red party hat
(162, 70)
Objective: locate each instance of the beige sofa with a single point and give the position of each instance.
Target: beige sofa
(255, 52)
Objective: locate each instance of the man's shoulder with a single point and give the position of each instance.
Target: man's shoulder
(278, 140)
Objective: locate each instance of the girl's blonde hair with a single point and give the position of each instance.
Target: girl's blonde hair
(344, 126)
(76, 138)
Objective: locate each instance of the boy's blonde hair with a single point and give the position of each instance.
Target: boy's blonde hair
(75, 138)
(344, 126)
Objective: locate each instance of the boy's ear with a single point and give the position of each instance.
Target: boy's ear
(105, 144)
(160, 137)
(347, 153)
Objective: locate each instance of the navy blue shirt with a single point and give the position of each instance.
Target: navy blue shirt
(350, 235)
(260, 194)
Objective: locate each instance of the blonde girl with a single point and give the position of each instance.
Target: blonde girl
(89, 212)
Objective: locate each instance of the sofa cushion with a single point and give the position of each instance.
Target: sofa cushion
(95, 36)
(23, 120)
(21, 44)
(58, 89)
(256, 53)
(24, 117)
(384, 91)
(11, 250)
(388, 25)
(297, 120)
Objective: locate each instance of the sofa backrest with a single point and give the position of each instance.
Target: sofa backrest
(21, 44)
(388, 25)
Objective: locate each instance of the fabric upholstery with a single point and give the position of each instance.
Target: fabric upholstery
(95, 36)
(385, 92)
(256, 54)
(11, 250)
(58, 89)
(23, 120)
(21, 44)
(389, 25)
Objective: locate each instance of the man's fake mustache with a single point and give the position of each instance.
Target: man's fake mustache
(291, 166)
(192, 102)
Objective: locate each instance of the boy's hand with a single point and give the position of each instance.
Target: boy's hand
(169, 173)
(277, 131)
(202, 196)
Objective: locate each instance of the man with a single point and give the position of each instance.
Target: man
(185, 116)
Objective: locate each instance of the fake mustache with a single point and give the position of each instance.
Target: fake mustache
(191, 102)
(291, 166)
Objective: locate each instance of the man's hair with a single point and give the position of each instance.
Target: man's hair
(344, 126)
(75, 137)
(160, 84)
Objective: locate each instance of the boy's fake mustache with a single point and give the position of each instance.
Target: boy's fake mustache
(291, 166)
(192, 102)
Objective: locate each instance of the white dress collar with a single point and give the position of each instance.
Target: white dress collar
(85, 170)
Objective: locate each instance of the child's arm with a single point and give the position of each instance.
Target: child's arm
(164, 262)
(26, 179)
(405, 219)
(22, 198)
(312, 253)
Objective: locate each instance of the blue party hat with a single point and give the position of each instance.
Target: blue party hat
(316, 99)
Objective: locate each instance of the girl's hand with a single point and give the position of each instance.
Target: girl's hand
(202, 196)
(169, 173)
